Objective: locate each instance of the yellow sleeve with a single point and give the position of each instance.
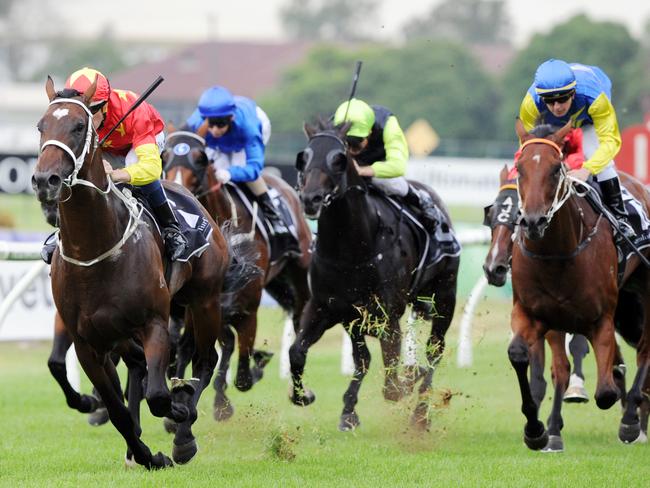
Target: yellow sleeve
(148, 167)
(397, 151)
(609, 137)
(528, 112)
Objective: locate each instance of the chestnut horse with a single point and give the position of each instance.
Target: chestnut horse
(564, 277)
(362, 275)
(108, 279)
(185, 161)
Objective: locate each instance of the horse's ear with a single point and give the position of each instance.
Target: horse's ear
(200, 158)
(90, 91)
(521, 131)
(503, 175)
(343, 128)
(202, 131)
(49, 88)
(300, 161)
(309, 130)
(171, 128)
(559, 136)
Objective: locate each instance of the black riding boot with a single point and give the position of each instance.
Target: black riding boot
(613, 198)
(175, 242)
(280, 225)
(423, 205)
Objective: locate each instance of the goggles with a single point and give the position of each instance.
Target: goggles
(219, 121)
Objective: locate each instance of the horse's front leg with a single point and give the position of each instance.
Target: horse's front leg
(56, 364)
(525, 335)
(390, 340)
(603, 343)
(246, 332)
(537, 381)
(97, 370)
(560, 372)
(134, 359)
(631, 428)
(361, 356)
(206, 320)
(223, 409)
(315, 321)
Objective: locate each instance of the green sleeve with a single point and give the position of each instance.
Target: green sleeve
(609, 137)
(397, 152)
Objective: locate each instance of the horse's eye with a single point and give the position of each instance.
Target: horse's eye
(39, 126)
(555, 172)
(79, 127)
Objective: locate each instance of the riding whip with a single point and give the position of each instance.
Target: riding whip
(355, 80)
(135, 105)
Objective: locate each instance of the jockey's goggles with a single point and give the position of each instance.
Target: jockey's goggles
(354, 142)
(219, 121)
(557, 98)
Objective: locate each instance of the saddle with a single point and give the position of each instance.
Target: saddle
(432, 248)
(194, 226)
(277, 250)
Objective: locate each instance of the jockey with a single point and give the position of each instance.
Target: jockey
(563, 92)
(237, 133)
(379, 151)
(133, 148)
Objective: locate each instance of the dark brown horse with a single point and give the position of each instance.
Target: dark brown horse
(362, 275)
(185, 161)
(108, 280)
(564, 276)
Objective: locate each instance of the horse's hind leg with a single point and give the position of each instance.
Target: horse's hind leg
(206, 320)
(223, 409)
(560, 371)
(525, 335)
(391, 346)
(246, 332)
(579, 348)
(603, 343)
(444, 294)
(361, 355)
(630, 429)
(117, 411)
(56, 364)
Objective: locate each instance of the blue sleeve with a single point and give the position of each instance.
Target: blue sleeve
(254, 161)
(194, 121)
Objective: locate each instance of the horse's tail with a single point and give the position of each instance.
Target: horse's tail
(242, 268)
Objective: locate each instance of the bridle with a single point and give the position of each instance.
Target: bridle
(134, 208)
(200, 174)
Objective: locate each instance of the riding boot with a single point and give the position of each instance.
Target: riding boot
(49, 246)
(613, 198)
(175, 241)
(423, 205)
(279, 223)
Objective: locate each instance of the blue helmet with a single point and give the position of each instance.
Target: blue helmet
(216, 102)
(554, 77)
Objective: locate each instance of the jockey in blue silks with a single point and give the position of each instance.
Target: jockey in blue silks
(564, 92)
(238, 131)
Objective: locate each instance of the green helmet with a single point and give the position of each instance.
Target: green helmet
(360, 114)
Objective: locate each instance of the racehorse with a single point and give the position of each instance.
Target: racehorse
(185, 161)
(564, 277)
(361, 275)
(120, 297)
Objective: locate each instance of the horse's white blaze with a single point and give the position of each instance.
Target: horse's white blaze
(60, 112)
(494, 253)
(537, 158)
(178, 179)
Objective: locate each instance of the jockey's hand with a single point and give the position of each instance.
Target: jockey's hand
(223, 175)
(363, 170)
(116, 175)
(580, 174)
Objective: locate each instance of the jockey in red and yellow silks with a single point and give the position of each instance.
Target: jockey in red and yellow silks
(134, 148)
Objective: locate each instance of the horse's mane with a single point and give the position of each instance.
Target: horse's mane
(544, 130)
(68, 93)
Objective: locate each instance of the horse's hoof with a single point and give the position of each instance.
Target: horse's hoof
(184, 454)
(302, 400)
(393, 392)
(349, 421)
(182, 385)
(630, 434)
(554, 444)
(98, 417)
(420, 418)
(170, 426)
(534, 441)
(262, 358)
(576, 392)
(159, 461)
(223, 411)
(244, 382)
(129, 461)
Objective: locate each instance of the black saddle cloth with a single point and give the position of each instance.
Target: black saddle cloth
(193, 224)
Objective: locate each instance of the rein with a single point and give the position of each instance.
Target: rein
(134, 208)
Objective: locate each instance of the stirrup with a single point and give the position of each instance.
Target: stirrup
(175, 242)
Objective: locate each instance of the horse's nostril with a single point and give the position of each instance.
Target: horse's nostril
(54, 181)
(34, 183)
(317, 199)
(501, 269)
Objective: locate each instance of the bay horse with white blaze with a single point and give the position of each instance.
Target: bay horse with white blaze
(363, 267)
(185, 161)
(108, 279)
(564, 277)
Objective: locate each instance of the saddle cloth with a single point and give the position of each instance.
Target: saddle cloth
(194, 226)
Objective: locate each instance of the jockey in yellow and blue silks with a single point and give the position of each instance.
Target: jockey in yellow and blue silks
(563, 92)
(237, 133)
(379, 150)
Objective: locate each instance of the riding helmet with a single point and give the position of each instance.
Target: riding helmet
(81, 80)
(216, 102)
(554, 77)
(359, 113)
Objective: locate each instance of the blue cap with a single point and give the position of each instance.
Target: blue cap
(216, 102)
(554, 77)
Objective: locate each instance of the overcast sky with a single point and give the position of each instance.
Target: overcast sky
(259, 19)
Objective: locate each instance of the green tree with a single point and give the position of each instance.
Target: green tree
(604, 44)
(328, 20)
(472, 21)
(438, 81)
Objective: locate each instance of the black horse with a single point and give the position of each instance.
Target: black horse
(364, 272)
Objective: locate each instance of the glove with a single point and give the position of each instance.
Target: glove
(223, 175)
